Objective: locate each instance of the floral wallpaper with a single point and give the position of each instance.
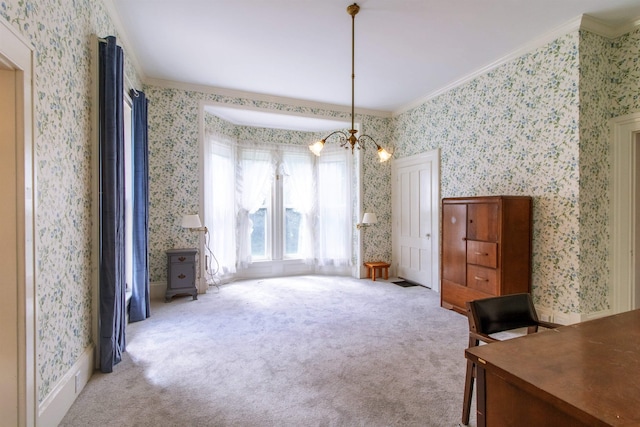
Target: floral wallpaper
(514, 131)
(625, 75)
(61, 33)
(536, 125)
(594, 199)
(173, 166)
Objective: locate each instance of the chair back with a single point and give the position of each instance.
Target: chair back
(502, 313)
(492, 315)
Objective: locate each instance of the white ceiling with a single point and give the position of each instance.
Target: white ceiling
(405, 50)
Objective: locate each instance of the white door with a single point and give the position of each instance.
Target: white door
(415, 218)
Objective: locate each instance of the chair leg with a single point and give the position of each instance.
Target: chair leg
(468, 392)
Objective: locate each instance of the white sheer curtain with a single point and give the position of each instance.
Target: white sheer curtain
(333, 238)
(254, 179)
(239, 180)
(300, 193)
(219, 203)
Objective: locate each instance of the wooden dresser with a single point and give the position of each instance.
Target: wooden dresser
(486, 248)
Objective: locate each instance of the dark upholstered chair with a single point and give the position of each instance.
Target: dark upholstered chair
(493, 315)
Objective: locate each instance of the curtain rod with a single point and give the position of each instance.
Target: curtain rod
(135, 92)
(126, 78)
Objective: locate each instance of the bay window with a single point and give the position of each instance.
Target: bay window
(288, 205)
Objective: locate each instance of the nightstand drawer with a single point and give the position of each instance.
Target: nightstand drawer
(182, 276)
(181, 258)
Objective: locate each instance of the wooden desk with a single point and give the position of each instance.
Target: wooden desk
(586, 374)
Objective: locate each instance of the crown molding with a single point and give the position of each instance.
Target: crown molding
(123, 38)
(233, 93)
(207, 103)
(607, 30)
(597, 26)
(546, 38)
(583, 22)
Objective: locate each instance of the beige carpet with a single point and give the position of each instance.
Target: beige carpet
(297, 351)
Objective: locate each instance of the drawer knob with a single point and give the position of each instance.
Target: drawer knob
(481, 279)
(181, 276)
(182, 258)
(482, 253)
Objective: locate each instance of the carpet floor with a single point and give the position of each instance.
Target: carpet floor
(294, 351)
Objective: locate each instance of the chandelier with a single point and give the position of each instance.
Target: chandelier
(351, 140)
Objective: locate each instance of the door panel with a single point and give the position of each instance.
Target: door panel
(454, 247)
(483, 220)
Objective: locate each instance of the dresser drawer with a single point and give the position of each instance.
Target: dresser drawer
(455, 296)
(482, 253)
(482, 279)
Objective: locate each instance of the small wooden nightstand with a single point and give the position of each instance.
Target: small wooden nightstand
(377, 266)
(181, 273)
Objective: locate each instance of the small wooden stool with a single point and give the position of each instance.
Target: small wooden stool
(378, 266)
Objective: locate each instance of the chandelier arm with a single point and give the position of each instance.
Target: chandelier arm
(343, 135)
(351, 140)
(363, 138)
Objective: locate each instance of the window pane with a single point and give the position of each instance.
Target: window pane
(259, 233)
(292, 231)
(298, 192)
(334, 216)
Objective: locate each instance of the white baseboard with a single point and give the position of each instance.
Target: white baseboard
(157, 290)
(55, 406)
(549, 315)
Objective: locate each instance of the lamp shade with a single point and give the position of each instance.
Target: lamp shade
(369, 218)
(383, 155)
(191, 221)
(317, 147)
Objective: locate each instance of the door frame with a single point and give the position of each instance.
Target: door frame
(16, 53)
(623, 211)
(421, 159)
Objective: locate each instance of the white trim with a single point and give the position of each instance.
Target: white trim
(232, 93)
(572, 25)
(275, 268)
(623, 130)
(18, 53)
(123, 38)
(53, 409)
(549, 315)
(95, 200)
(202, 154)
(345, 121)
(583, 22)
(607, 30)
(359, 271)
(157, 290)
